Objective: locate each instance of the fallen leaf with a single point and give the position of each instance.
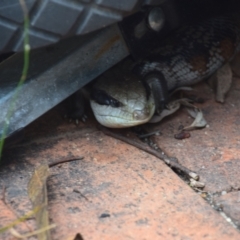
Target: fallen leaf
(19, 220)
(171, 108)
(221, 82)
(182, 135)
(78, 237)
(181, 89)
(199, 121)
(37, 192)
(24, 236)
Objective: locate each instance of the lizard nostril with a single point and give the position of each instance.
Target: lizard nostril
(141, 114)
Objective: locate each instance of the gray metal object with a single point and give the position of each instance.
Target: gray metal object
(156, 19)
(55, 73)
(143, 30)
(52, 20)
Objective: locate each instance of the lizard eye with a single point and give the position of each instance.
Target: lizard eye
(103, 98)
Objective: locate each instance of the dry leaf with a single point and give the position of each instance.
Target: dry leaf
(172, 107)
(37, 192)
(221, 81)
(199, 121)
(24, 236)
(78, 237)
(181, 89)
(182, 135)
(19, 220)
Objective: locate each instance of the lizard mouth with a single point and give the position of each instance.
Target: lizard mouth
(120, 117)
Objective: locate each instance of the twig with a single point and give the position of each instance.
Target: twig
(172, 162)
(64, 161)
(82, 195)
